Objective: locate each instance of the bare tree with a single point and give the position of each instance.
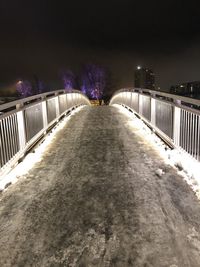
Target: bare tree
(68, 79)
(93, 81)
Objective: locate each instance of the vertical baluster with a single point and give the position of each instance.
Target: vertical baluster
(5, 142)
(198, 137)
(187, 132)
(12, 136)
(9, 138)
(181, 128)
(1, 145)
(195, 137)
(191, 133)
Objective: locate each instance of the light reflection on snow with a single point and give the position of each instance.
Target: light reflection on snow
(189, 168)
(32, 158)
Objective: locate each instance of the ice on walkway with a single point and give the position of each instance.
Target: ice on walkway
(187, 167)
(94, 199)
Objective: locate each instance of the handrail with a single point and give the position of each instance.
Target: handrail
(23, 122)
(175, 118)
(23, 101)
(176, 98)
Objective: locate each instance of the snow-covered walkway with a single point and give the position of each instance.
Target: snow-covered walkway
(95, 199)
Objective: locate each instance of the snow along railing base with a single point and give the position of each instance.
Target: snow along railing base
(25, 121)
(175, 118)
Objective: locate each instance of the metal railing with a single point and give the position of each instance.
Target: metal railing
(24, 121)
(175, 118)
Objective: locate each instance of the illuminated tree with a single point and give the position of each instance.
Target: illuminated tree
(24, 88)
(69, 80)
(93, 81)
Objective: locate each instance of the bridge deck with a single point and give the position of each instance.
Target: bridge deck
(95, 200)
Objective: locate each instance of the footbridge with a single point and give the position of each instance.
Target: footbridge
(101, 195)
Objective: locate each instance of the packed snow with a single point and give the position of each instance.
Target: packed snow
(187, 167)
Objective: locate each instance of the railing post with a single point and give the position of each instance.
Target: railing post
(140, 104)
(44, 113)
(71, 99)
(57, 105)
(176, 125)
(130, 99)
(21, 127)
(153, 111)
(75, 99)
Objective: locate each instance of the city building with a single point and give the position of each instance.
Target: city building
(191, 89)
(144, 78)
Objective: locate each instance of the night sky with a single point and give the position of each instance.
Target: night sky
(44, 37)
